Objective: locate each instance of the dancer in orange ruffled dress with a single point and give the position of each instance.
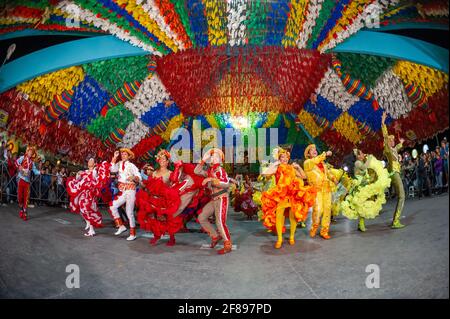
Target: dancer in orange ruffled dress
(289, 197)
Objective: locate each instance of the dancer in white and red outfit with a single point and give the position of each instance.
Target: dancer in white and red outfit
(128, 177)
(84, 190)
(25, 164)
(217, 179)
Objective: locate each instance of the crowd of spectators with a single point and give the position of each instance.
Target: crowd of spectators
(426, 173)
(47, 188)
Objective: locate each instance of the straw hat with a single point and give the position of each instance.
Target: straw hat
(308, 148)
(130, 152)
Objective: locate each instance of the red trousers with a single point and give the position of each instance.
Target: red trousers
(22, 193)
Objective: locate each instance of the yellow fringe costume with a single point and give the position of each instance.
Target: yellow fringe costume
(319, 177)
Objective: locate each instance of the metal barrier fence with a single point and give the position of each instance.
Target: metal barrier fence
(43, 187)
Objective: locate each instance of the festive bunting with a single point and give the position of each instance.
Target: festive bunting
(87, 102)
(429, 80)
(390, 94)
(235, 22)
(346, 126)
(116, 118)
(295, 22)
(151, 92)
(44, 88)
(146, 145)
(135, 131)
(304, 118)
(59, 106)
(354, 86)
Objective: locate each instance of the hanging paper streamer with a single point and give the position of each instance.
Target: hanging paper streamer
(45, 87)
(324, 14)
(304, 118)
(337, 143)
(124, 94)
(336, 14)
(419, 125)
(296, 18)
(122, 17)
(347, 126)
(115, 118)
(366, 68)
(198, 22)
(236, 10)
(351, 14)
(173, 124)
(59, 106)
(147, 144)
(390, 93)
(365, 114)
(158, 113)
(144, 18)
(332, 89)
(94, 13)
(416, 96)
(251, 80)
(255, 22)
(216, 17)
(113, 73)
(29, 118)
(153, 13)
(87, 102)
(114, 137)
(151, 92)
(429, 80)
(182, 11)
(134, 133)
(323, 108)
(167, 10)
(151, 67)
(433, 8)
(313, 9)
(276, 19)
(355, 87)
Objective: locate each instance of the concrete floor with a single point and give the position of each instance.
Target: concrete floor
(413, 262)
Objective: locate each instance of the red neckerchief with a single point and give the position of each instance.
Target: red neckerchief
(123, 166)
(320, 165)
(26, 162)
(213, 168)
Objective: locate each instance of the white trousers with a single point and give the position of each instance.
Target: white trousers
(128, 197)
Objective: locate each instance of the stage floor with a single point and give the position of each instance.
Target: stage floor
(413, 261)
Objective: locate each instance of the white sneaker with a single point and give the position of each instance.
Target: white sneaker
(87, 226)
(131, 237)
(90, 233)
(120, 230)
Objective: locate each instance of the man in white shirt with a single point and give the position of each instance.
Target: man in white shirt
(128, 176)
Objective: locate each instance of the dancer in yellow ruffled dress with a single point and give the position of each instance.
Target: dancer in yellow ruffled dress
(289, 196)
(366, 196)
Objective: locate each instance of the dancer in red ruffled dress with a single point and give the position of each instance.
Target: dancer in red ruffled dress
(190, 190)
(158, 202)
(84, 190)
